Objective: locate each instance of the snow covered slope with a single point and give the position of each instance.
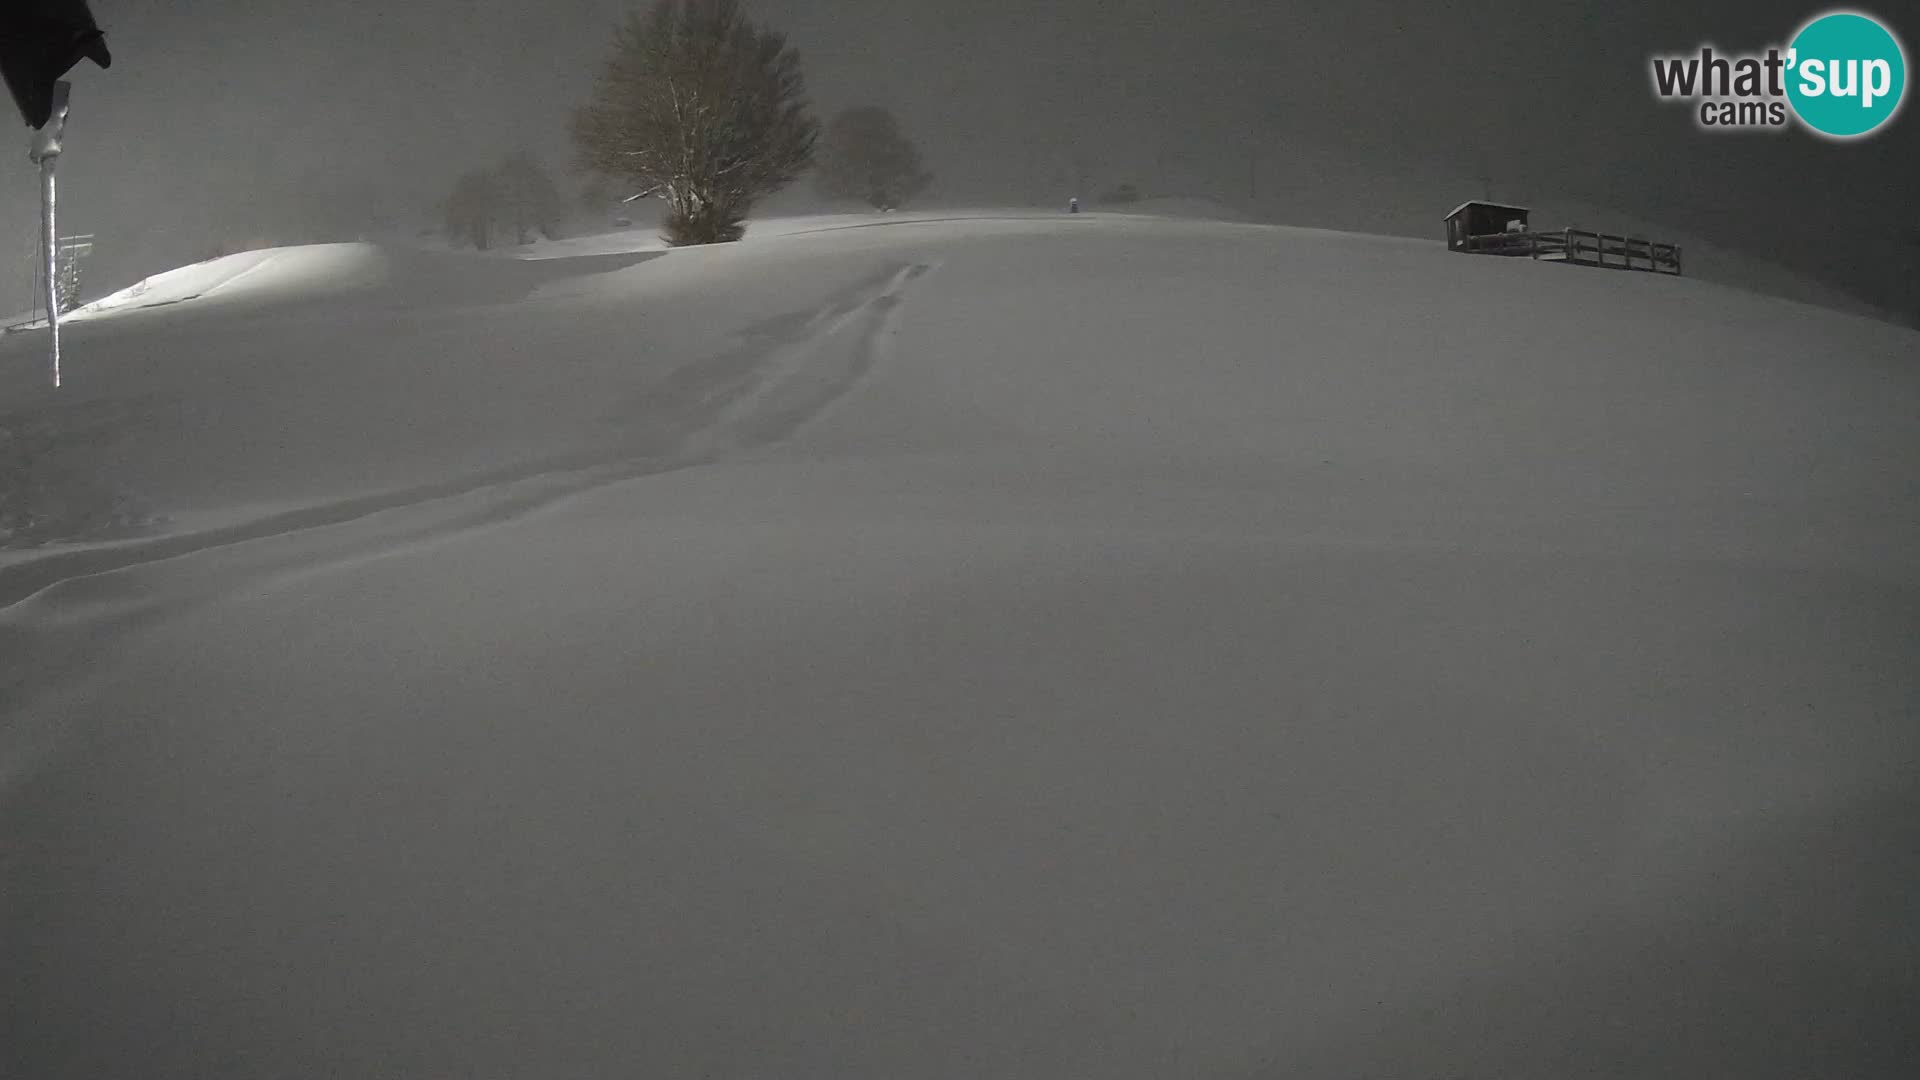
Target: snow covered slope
(319, 268)
(1105, 646)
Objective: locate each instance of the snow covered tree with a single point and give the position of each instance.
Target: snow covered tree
(528, 197)
(864, 156)
(703, 108)
(472, 208)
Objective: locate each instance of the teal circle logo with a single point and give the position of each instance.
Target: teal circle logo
(1848, 75)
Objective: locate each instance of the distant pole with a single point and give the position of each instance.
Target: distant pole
(46, 151)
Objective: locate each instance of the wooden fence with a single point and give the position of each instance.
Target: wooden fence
(1582, 248)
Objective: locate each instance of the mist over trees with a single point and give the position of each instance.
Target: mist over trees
(471, 209)
(517, 194)
(865, 156)
(529, 199)
(703, 108)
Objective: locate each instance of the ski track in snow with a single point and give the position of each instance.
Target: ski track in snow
(761, 393)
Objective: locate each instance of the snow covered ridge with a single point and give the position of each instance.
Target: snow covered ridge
(271, 276)
(288, 272)
(373, 273)
(295, 269)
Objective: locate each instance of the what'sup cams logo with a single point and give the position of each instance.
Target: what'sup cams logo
(1843, 76)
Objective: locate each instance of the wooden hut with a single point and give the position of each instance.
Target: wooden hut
(1477, 218)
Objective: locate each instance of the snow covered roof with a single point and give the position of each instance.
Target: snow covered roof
(1483, 202)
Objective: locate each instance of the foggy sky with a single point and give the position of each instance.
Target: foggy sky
(220, 114)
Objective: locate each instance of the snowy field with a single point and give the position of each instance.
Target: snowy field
(997, 646)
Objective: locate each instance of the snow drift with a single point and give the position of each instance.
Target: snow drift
(1003, 647)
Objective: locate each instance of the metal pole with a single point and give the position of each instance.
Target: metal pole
(46, 149)
(50, 240)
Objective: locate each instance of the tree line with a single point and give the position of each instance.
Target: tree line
(698, 106)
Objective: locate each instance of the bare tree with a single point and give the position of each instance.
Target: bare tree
(529, 199)
(472, 208)
(864, 156)
(703, 108)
